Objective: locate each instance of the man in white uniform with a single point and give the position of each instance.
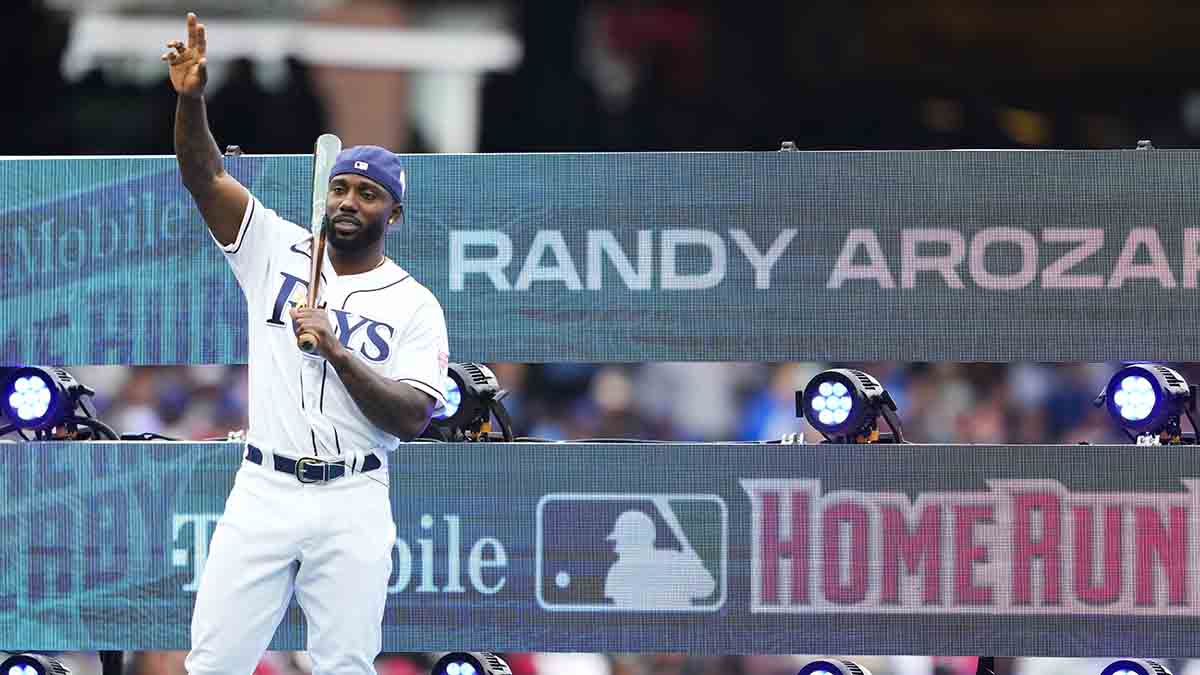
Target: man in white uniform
(309, 511)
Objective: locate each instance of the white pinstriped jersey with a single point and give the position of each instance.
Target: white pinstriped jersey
(298, 405)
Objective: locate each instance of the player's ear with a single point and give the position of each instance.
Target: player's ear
(397, 215)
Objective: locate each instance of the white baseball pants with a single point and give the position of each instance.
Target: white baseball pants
(330, 543)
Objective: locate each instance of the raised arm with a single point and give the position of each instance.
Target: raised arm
(221, 199)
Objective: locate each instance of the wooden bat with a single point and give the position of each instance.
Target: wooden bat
(325, 151)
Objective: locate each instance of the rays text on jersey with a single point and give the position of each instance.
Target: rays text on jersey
(362, 334)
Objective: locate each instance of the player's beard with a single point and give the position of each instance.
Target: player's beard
(364, 238)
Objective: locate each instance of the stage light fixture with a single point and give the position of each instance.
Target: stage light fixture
(51, 403)
(473, 398)
(33, 399)
(833, 667)
(845, 405)
(32, 664)
(1136, 667)
(1147, 400)
(470, 663)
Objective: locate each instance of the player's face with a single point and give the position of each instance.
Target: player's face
(357, 212)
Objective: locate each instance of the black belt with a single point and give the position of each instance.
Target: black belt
(311, 469)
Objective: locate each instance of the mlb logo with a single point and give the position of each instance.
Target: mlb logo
(632, 552)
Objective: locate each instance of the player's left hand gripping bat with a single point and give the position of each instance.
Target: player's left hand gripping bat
(325, 151)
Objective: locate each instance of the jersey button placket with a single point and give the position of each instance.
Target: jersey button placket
(312, 381)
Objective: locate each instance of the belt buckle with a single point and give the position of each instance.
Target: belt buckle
(305, 461)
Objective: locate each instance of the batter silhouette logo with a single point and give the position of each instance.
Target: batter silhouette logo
(632, 552)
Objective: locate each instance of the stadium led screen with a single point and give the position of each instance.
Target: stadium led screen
(1030, 550)
(767, 256)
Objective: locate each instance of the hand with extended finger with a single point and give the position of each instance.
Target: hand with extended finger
(315, 322)
(188, 63)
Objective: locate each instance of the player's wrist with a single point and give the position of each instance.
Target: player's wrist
(337, 354)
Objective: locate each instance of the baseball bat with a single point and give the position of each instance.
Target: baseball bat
(307, 340)
(325, 152)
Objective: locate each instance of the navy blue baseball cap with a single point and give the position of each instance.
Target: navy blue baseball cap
(379, 164)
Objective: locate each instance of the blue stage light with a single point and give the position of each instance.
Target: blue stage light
(469, 386)
(470, 663)
(832, 404)
(49, 403)
(453, 400)
(32, 664)
(35, 398)
(30, 398)
(833, 667)
(473, 397)
(1135, 398)
(844, 406)
(1136, 667)
(1147, 401)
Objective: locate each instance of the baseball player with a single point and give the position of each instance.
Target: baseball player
(309, 510)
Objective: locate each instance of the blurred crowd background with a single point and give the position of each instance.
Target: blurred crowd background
(625, 75)
(693, 401)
